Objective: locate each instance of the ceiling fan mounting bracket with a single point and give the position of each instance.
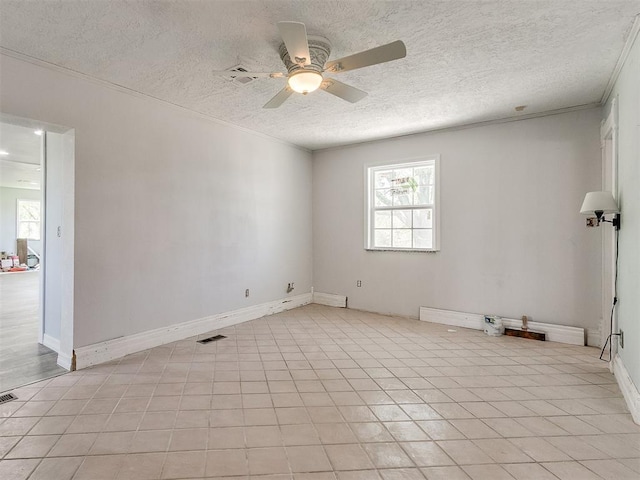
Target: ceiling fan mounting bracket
(319, 51)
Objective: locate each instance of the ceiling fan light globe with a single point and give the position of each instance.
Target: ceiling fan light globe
(305, 81)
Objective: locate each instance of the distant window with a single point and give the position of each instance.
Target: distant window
(29, 219)
(402, 206)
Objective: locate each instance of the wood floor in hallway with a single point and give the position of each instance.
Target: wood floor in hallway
(22, 359)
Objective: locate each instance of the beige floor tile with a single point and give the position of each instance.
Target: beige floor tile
(144, 466)
(484, 472)
(406, 431)
(308, 459)
(371, 432)
(388, 455)
(426, 454)
(304, 434)
(318, 393)
(445, 473)
(464, 452)
(570, 471)
(539, 449)
(17, 469)
(101, 467)
(610, 469)
(36, 446)
(348, 457)
(324, 414)
(184, 465)
(333, 433)
(150, 441)
(529, 471)
(401, 474)
(263, 436)
(269, 460)
(441, 430)
(361, 475)
(73, 445)
(226, 463)
(57, 468)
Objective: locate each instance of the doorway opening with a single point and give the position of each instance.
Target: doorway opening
(36, 322)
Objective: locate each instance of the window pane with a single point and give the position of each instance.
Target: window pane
(423, 218)
(382, 178)
(29, 230)
(402, 238)
(423, 238)
(29, 210)
(384, 197)
(382, 220)
(424, 175)
(382, 238)
(401, 219)
(423, 196)
(402, 197)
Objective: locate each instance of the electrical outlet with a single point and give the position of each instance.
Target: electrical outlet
(621, 339)
(359, 283)
(246, 292)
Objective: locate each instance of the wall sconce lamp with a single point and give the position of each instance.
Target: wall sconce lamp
(601, 204)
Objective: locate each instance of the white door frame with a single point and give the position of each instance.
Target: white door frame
(66, 275)
(609, 148)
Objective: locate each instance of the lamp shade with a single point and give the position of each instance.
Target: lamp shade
(305, 81)
(599, 202)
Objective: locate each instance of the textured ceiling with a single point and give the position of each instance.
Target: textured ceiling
(467, 61)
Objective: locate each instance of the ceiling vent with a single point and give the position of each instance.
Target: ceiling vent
(241, 78)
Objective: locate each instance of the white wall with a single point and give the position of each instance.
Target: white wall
(8, 217)
(175, 214)
(627, 92)
(512, 240)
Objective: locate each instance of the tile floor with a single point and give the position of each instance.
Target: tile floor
(319, 393)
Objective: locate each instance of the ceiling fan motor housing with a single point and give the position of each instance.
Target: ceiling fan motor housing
(319, 50)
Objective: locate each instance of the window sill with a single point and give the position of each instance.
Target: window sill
(406, 250)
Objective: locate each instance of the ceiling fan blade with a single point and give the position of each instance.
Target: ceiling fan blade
(342, 90)
(279, 99)
(385, 53)
(230, 74)
(294, 35)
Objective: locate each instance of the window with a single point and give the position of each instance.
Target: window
(402, 206)
(29, 219)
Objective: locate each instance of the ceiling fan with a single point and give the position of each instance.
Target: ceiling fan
(306, 60)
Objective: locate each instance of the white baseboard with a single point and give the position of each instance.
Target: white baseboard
(330, 299)
(119, 347)
(64, 361)
(628, 388)
(50, 342)
(554, 333)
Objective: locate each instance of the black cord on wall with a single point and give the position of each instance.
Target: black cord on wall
(613, 306)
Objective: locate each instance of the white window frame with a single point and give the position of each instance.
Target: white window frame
(370, 208)
(18, 221)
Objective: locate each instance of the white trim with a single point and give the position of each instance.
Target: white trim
(628, 388)
(554, 333)
(330, 299)
(64, 361)
(628, 44)
(119, 347)
(609, 156)
(119, 88)
(50, 342)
